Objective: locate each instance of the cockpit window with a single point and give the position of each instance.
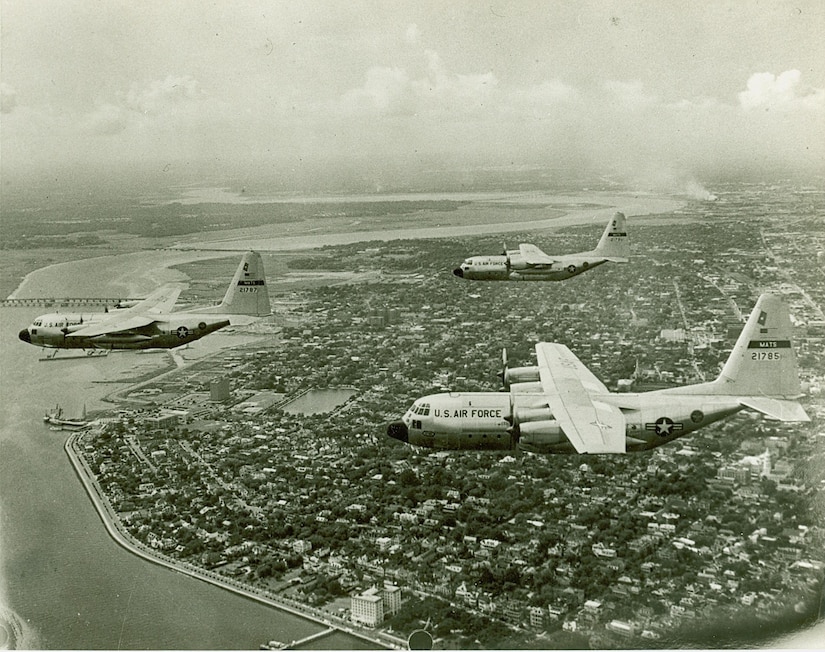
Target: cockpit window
(422, 409)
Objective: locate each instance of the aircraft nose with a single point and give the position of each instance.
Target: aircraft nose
(458, 272)
(25, 336)
(398, 430)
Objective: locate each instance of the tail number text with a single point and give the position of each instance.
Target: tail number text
(766, 355)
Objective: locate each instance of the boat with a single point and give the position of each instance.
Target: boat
(55, 418)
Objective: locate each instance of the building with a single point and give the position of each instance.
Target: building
(301, 546)
(368, 608)
(537, 617)
(392, 599)
(163, 421)
(219, 390)
(620, 627)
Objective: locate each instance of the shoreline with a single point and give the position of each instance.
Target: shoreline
(263, 238)
(124, 540)
(136, 273)
(142, 280)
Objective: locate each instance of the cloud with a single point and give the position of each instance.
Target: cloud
(385, 90)
(425, 113)
(8, 98)
(158, 100)
(412, 34)
(769, 91)
(106, 120)
(162, 95)
(630, 93)
(393, 91)
(417, 111)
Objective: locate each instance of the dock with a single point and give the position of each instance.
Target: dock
(69, 302)
(308, 639)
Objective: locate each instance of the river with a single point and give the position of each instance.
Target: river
(68, 582)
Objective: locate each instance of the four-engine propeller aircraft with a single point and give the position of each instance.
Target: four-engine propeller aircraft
(559, 406)
(529, 263)
(150, 323)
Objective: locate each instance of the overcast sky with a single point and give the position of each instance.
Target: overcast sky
(652, 88)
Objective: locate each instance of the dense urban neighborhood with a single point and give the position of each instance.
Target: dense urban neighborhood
(267, 463)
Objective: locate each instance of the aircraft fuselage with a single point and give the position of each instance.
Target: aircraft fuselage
(521, 419)
(52, 331)
(513, 268)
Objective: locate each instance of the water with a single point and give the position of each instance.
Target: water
(70, 584)
(318, 401)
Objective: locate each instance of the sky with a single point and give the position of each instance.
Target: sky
(394, 89)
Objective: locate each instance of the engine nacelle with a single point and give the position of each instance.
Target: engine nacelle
(527, 417)
(540, 436)
(515, 260)
(525, 388)
(520, 375)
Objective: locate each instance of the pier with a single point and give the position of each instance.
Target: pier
(70, 302)
(308, 639)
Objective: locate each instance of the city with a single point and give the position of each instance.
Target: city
(217, 467)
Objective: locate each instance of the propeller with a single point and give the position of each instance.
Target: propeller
(501, 374)
(514, 431)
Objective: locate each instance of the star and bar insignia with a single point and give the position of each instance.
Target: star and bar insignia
(664, 426)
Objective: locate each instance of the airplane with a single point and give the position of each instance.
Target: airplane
(529, 263)
(150, 323)
(559, 406)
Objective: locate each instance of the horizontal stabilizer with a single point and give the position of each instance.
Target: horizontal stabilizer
(778, 409)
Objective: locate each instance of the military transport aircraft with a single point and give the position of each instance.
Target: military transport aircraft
(150, 323)
(559, 406)
(529, 263)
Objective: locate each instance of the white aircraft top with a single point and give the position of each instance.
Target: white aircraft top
(534, 256)
(572, 393)
(159, 302)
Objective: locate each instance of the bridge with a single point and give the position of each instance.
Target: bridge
(69, 302)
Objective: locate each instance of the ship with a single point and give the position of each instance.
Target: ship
(55, 418)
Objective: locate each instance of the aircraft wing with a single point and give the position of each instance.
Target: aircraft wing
(160, 301)
(572, 393)
(142, 314)
(115, 324)
(532, 255)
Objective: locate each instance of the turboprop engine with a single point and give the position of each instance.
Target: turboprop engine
(514, 375)
(535, 429)
(520, 375)
(540, 436)
(514, 259)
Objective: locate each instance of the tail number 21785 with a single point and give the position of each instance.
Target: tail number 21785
(765, 355)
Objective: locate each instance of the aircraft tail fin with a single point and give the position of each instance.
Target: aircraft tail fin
(247, 293)
(614, 244)
(763, 362)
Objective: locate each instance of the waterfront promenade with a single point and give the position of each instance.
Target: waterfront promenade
(329, 622)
